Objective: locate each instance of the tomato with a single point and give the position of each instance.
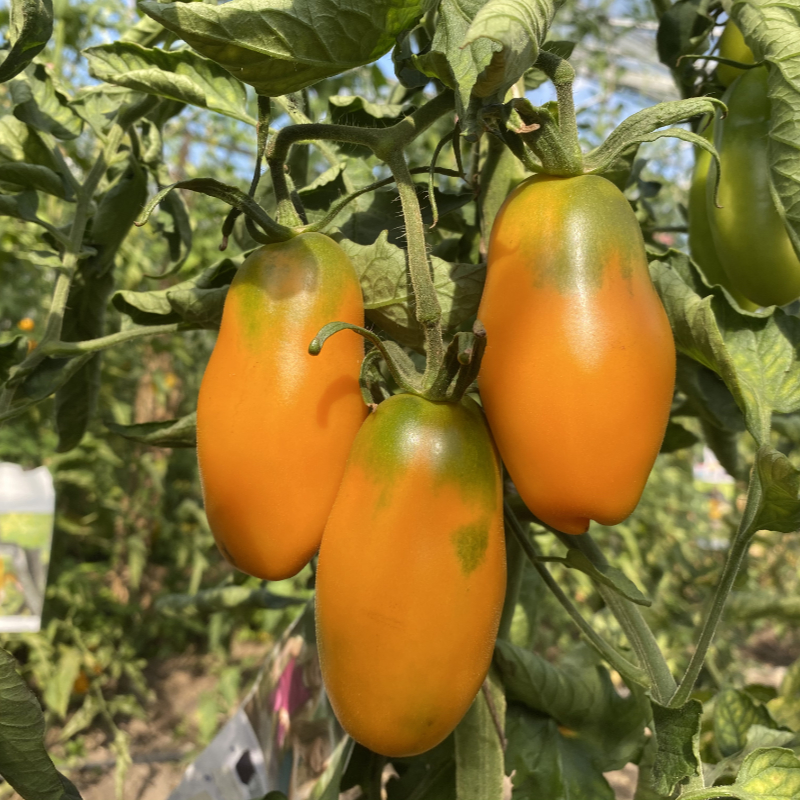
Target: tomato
(733, 46)
(26, 324)
(274, 424)
(411, 574)
(701, 242)
(749, 234)
(579, 369)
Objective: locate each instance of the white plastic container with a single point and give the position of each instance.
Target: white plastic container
(27, 505)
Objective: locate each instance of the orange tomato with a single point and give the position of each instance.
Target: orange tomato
(26, 324)
(579, 369)
(411, 575)
(274, 424)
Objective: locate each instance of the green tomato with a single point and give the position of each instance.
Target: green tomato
(701, 243)
(733, 46)
(749, 235)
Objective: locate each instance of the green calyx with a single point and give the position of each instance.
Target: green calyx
(457, 371)
(545, 138)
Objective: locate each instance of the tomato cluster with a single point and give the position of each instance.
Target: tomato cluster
(407, 505)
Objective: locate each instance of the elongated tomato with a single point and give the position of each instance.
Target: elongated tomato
(579, 369)
(412, 574)
(274, 424)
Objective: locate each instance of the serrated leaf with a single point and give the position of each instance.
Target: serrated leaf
(607, 575)
(456, 65)
(785, 708)
(548, 764)
(734, 712)
(581, 699)
(769, 773)
(26, 765)
(30, 28)
(41, 105)
(479, 749)
(771, 31)
(388, 298)
(281, 46)
(757, 736)
(675, 730)
(778, 505)
(167, 433)
(179, 75)
(756, 355)
(100, 105)
(198, 300)
(519, 27)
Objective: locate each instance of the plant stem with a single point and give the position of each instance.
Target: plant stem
(738, 549)
(562, 75)
(608, 652)
(515, 563)
(55, 318)
(428, 312)
(60, 349)
(633, 624)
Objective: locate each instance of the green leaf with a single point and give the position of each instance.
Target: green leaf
(757, 736)
(58, 688)
(734, 712)
(429, 776)
(100, 105)
(167, 433)
(479, 749)
(519, 27)
(327, 785)
(388, 299)
(20, 206)
(11, 353)
(84, 318)
(25, 763)
(30, 28)
(755, 355)
(771, 31)
(179, 75)
(607, 575)
(785, 708)
(581, 699)
(279, 47)
(769, 773)
(456, 65)
(682, 29)
(20, 143)
(198, 300)
(22, 177)
(547, 764)
(676, 730)
(41, 105)
(779, 506)
(677, 438)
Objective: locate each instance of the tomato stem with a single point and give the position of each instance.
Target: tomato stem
(738, 549)
(561, 73)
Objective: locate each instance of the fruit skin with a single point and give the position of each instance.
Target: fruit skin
(579, 369)
(412, 574)
(733, 46)
(749, 234)
(701, 242)
(274, 424)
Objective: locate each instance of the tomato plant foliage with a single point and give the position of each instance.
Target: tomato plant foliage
(126, 160)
